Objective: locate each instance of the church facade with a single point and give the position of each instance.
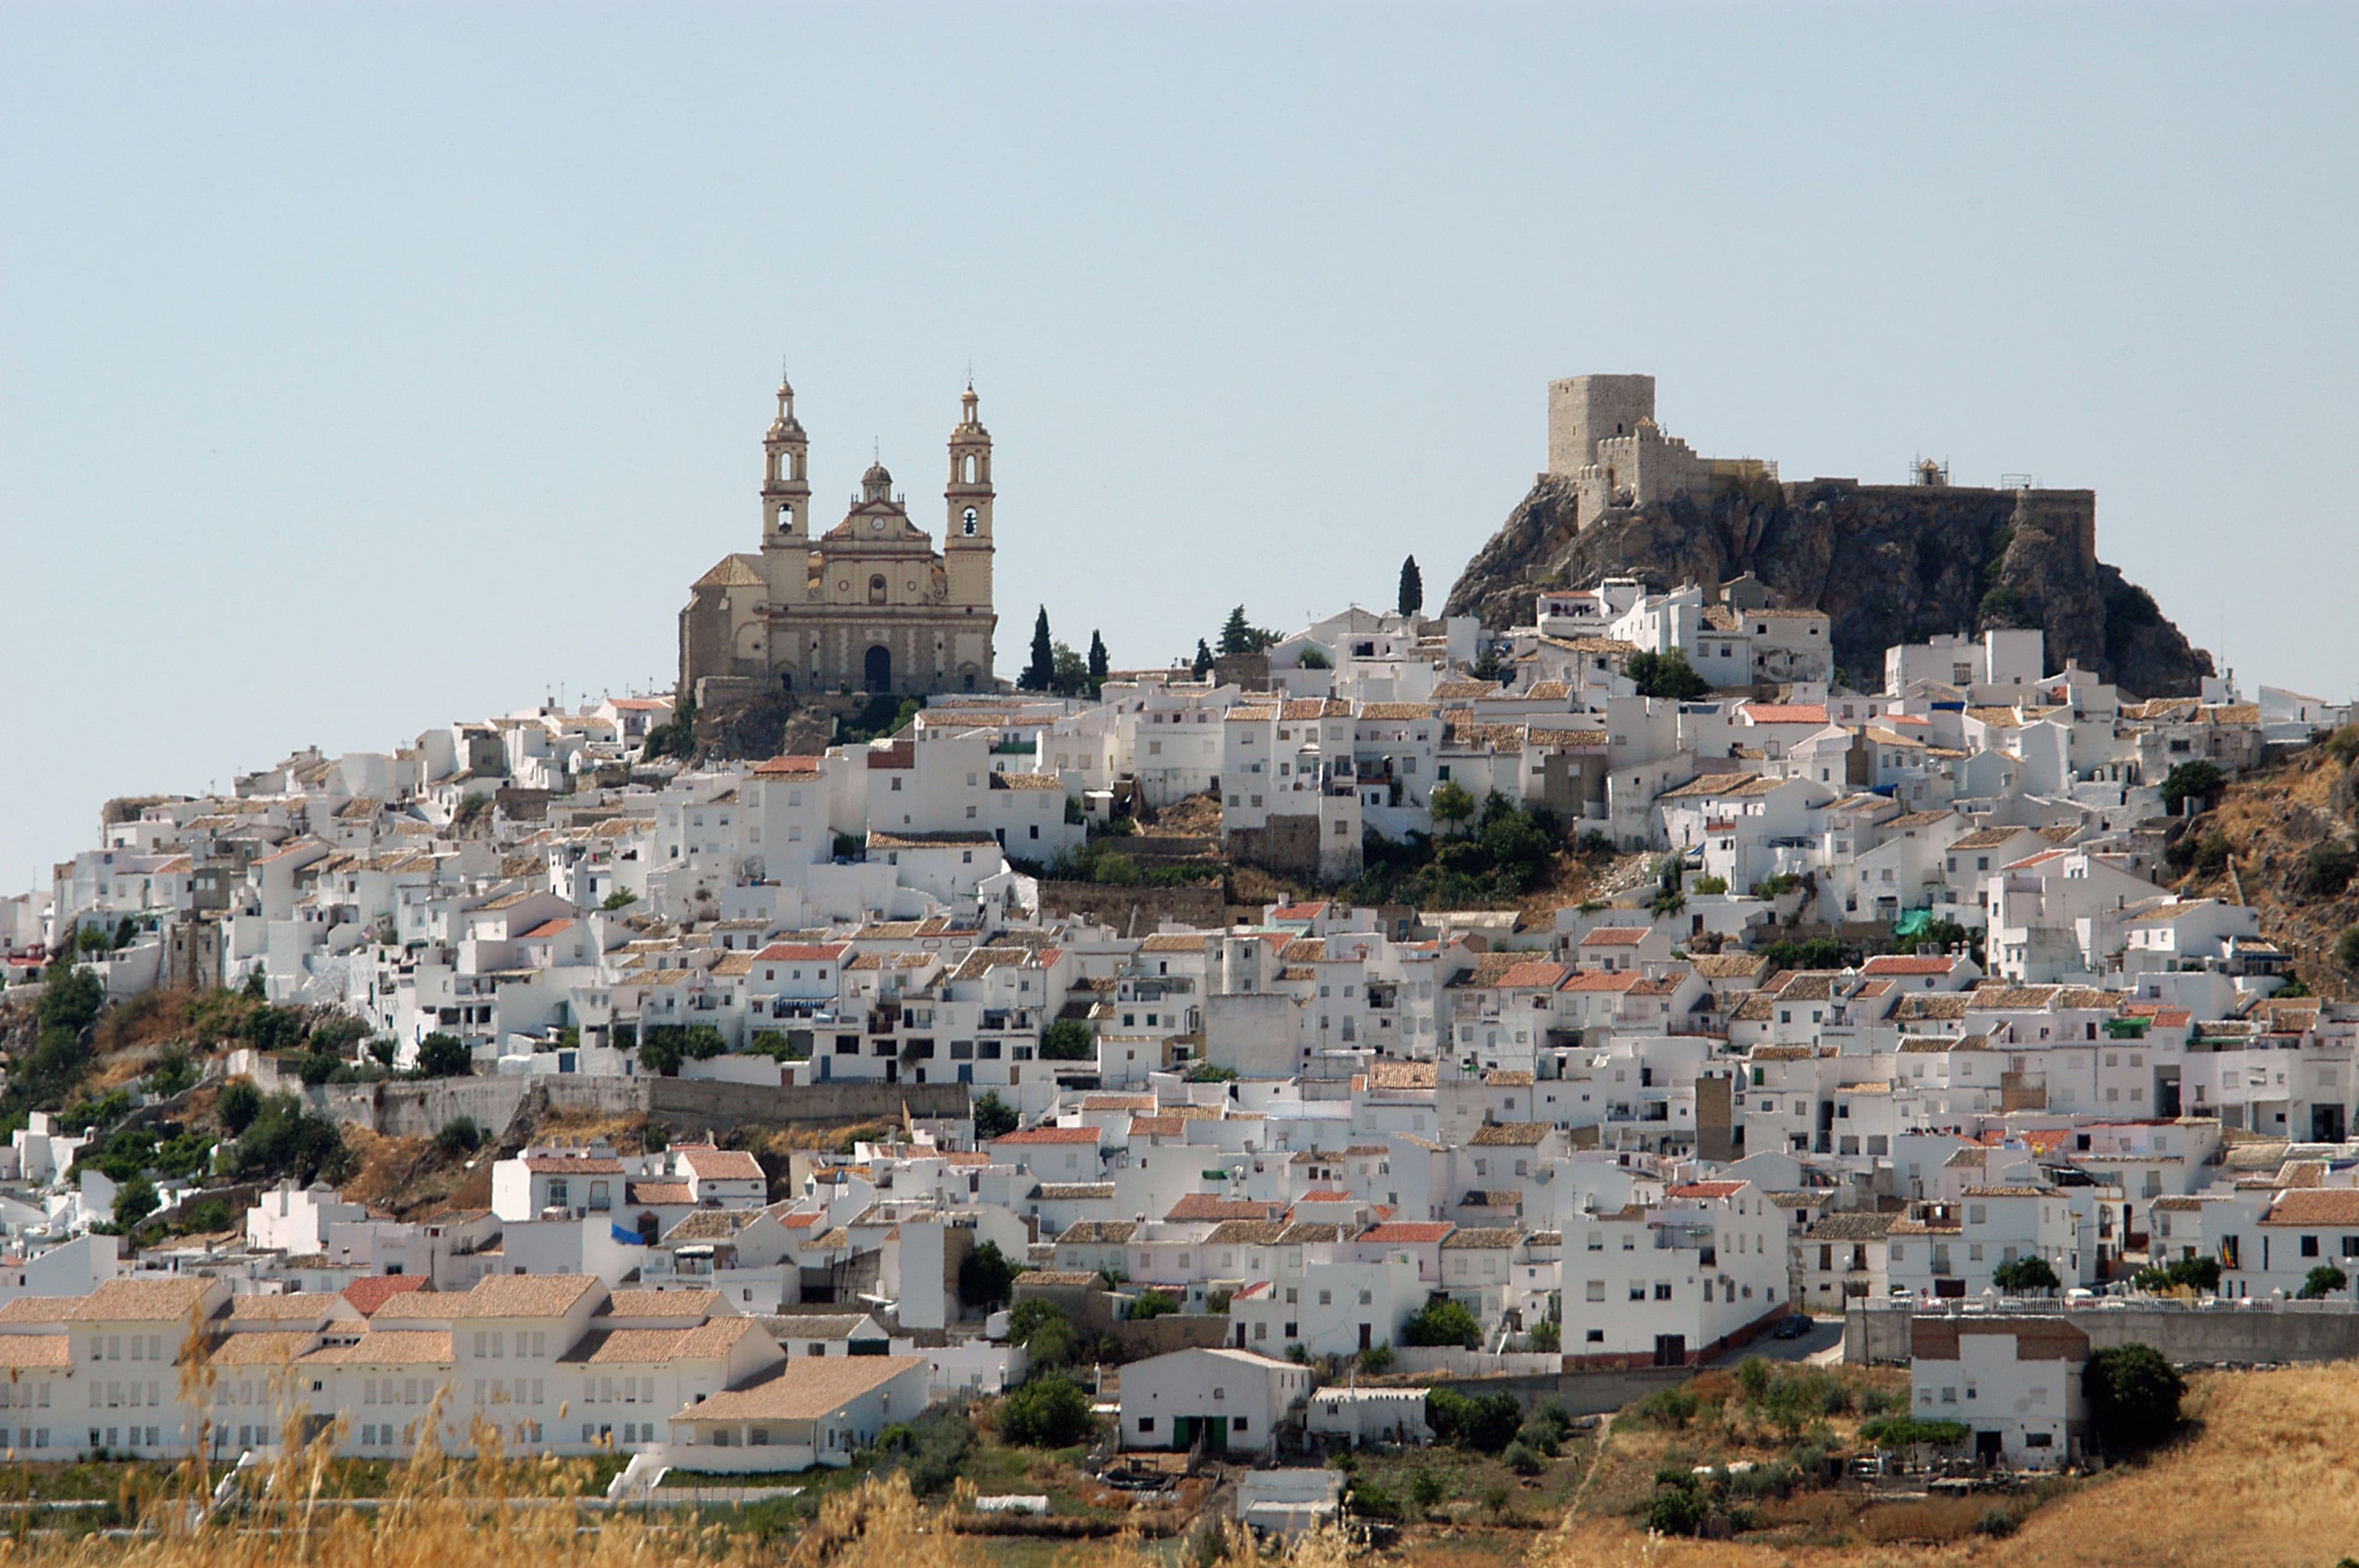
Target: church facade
(870, 605)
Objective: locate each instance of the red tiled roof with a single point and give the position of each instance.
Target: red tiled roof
(1703, 1190)
(1051, 1135)
(1786, 712)
(1617, 936)
(1407, 1232)
(778, 765)
(1903, 964)
(803, 951)
(370, 1293)
(547, 928)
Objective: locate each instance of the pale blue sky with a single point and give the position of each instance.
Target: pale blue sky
(364, 368)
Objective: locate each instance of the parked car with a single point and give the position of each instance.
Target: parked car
(1793, 1327)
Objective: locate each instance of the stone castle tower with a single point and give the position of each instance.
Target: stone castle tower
(870, 605)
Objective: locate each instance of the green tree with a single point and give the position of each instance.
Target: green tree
(1101, 666)
(2027, 1273)
(1485, 1424)
(993, 1116)
(172, 1072)
(1067, 1040)
(2133, 1396)
(442, 1055)
(1041, 674)
(984, 1275)
(124, 931)
(1047, 1412)
(1202, 665)
(1427, 1490)
(2199, 779)
(255, 989)
(2346, 950)
(2326, 869)
(2193, 1273)
(659, 1049)
(1667, 674)
(1152, 1303)
(288, 1138)
(1546, 1337)
(72, 1001)
(1412, 588)
(239, 1103)
(1043, 1330)
(2322, 1282)
(460, 1136)
(1442, 1322)
(135, 1200)
(1237, 634)
(620, 898)
(1451, 804)
(1073, 671)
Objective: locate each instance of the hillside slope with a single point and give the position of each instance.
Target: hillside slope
(2265, 840)
(2266, 1478)
(1889, 564)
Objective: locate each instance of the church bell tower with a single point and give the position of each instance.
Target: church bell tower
(966, 534)
(786, 478)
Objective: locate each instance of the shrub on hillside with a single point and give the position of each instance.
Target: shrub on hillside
(2133, 1396)
(1047, 1412)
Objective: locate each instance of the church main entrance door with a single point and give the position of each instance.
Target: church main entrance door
(880, 668)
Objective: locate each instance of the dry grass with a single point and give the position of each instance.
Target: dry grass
(2268, 1478)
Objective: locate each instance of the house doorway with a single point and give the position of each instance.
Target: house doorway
(880, 668)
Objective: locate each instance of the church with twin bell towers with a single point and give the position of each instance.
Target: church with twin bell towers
(870, 605)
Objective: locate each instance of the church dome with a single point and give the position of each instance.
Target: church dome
(877, 484)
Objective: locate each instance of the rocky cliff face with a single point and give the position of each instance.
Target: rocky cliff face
(1889, 564)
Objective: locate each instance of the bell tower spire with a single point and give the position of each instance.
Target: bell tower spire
(966, 535)
(786, 477)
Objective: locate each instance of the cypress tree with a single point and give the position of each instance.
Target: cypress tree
(1412, 587)
(1203, 666)
(1098, 662)
(1041, 674)
(1237, 636)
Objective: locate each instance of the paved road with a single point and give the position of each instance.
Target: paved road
(1825, 1336)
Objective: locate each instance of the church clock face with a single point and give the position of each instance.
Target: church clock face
(877, 524)
(968, 517)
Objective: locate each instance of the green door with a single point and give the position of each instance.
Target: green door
(1183, 1432)
(1216, 1434)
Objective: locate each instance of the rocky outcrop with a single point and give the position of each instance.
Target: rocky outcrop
(1888, 562)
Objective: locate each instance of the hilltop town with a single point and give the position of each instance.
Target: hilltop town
(1317, 1038)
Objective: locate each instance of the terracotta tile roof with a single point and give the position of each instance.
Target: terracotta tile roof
(662, 1303)
(1033, 1136)
(1784, 712)
(1509, 1135)
(803, 951)
(1617, 935)
(31, 1350)
(568, 1165)
(658, 1192)
(1850, 1226)
(1098, 1233)
(139, 1301)
(374, 1291)
(805, 1389)
(496, 1295)
(1490, 1237)
(1905, 964)
(2315, 1206)
(278, 1347)
(1244, 1232)
(1199, 1208)
(611, 1347)
(1405, 1233)
(710, 1164)
(382, 1347)
(1402, 1074)
(294, 1306)
(1703, 1190)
